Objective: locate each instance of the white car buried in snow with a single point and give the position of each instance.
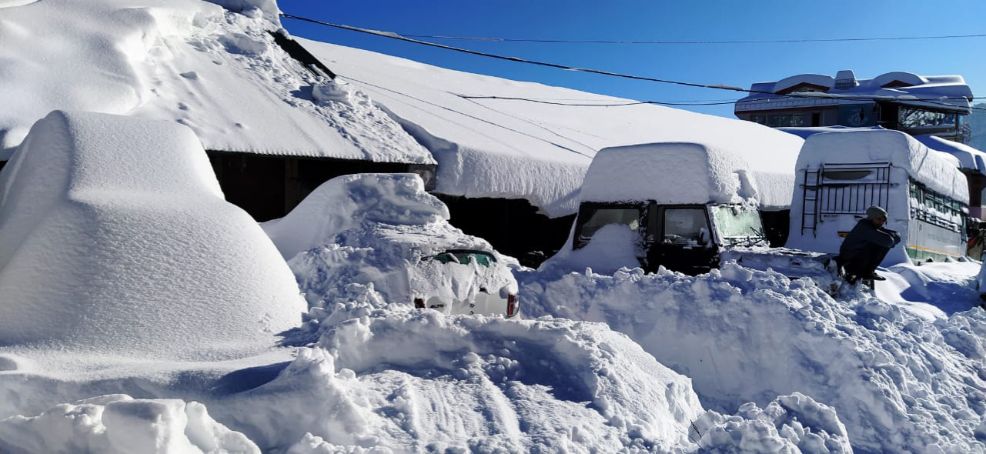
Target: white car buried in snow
(385, 230)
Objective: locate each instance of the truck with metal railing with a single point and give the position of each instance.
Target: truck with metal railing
(840, 174)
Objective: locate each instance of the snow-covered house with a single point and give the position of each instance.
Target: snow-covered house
(896, 100)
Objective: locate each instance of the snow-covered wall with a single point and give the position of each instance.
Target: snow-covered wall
(188, 61)
(682, 173)
(511, 148)
(115, 238)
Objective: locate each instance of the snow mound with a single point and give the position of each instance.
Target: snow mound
(538, 151)
(792, 424)
(401, 377)
(115, 238)
(612, 247)
(218, 72)
(348, 201)
(680, 173)
(897, 381)
(121, 424)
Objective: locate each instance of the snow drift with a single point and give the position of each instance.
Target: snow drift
(115, 238)
(401, 377)
(120, 424)
(897, 381)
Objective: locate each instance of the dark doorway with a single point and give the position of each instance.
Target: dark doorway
(512, 226)
(268, 187)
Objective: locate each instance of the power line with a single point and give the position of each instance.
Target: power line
(694, 42)
(392, 35)
(396, 36)
(482, 120)
(624, 104)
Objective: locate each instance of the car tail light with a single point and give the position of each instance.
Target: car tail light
(419, 303)
(511, 305)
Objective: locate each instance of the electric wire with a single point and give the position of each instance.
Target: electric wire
(396, 36)
(495, 39)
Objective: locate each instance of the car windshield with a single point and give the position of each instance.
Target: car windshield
(463, 257)
(737, 222)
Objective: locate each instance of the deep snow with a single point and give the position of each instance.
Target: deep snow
(115, 240)
(898, 382)
(782, 366)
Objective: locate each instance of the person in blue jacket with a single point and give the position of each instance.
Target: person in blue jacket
(866, 246)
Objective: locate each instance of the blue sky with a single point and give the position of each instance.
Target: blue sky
(732, 64)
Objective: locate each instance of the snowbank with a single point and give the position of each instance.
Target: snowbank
(415, 380)
(121, 424)
(512, 148)
(897, 382)
(188, 61)
(690, 173)
(115, 238)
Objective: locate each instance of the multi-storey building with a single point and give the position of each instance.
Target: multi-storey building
(903, 101)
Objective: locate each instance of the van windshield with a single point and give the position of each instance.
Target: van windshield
(736, 223)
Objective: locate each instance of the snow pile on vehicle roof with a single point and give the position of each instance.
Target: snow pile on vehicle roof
(897, 381)
(969, 157)
(115, 238)
(538, 151)
(121, 424)
(935, 170)
(347, 201)
(686, 173)
(215, 71)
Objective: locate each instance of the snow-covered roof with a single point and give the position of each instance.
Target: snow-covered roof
(969, 157)
(938, 171)
(678, 173)
(115, 239)
(520, 149)
(186, 61)
(935, 92)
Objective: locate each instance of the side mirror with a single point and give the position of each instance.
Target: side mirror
(703, 237)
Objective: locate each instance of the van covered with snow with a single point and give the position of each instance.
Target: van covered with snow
(677, 205)
(840, 174)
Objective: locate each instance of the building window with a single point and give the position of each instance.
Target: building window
(786, 120)
(914, 118)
